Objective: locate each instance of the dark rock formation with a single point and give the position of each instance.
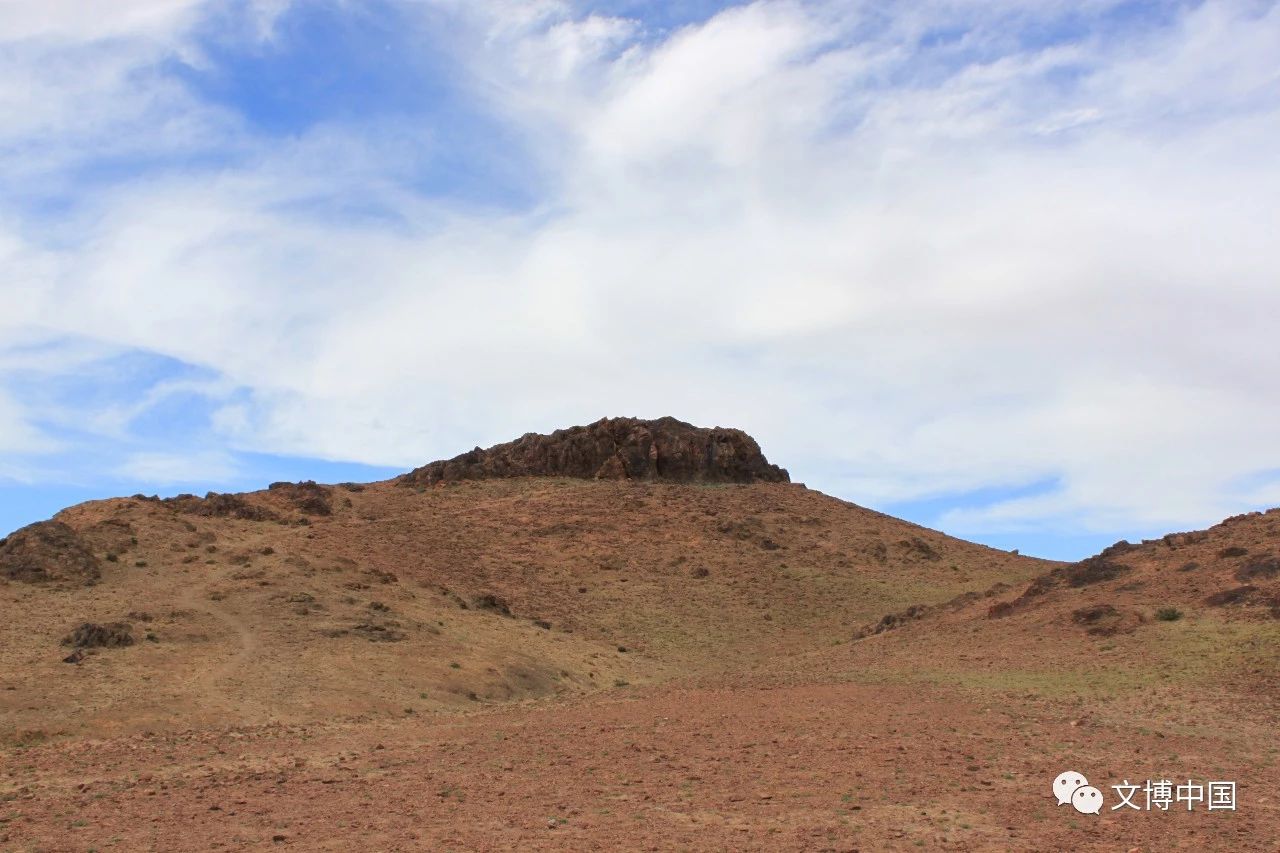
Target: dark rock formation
(1260, 567)
(308, 497)
(90, 635)
(1100, 620)
(1087, 572)
(48, 551)
(215, 505)
(111, 536)
(615, 449)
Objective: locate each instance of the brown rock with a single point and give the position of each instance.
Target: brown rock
(48, 551)
(110, 536)
(215, 505)
(616, 449)
(90, 635)
(1260, 567)
(308, 496)
(1101, 620)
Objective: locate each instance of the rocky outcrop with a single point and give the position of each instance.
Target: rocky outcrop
(90, 635)
(615, 449)
(215, 505)
(307, 497)
(48, 551)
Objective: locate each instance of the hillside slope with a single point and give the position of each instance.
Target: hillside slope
(1195, 609)
(941, 728)
(648, 654)
(304, 601)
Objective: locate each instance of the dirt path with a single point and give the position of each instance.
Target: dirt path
(206, 681)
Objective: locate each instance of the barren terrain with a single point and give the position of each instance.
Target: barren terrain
(554, 663)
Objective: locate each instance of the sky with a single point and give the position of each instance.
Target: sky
(1007, 269)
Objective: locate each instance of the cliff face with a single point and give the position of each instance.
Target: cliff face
(615, 449)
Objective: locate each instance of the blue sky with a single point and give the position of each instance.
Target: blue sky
(1005, 269)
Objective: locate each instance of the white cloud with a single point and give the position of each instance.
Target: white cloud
(86, 20)
(909, 270)
(17, 434)
(168, 469)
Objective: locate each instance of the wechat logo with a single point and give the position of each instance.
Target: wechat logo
(1071, 787)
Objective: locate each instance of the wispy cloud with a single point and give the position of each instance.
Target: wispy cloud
(167, 469)
(918, 250)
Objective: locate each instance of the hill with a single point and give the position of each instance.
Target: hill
(1197, 608)
(536, 647)
(304, 601)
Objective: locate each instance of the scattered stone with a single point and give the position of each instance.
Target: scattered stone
(891, 621)
(380, 632)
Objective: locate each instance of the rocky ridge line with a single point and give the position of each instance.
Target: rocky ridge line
(664, 449)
